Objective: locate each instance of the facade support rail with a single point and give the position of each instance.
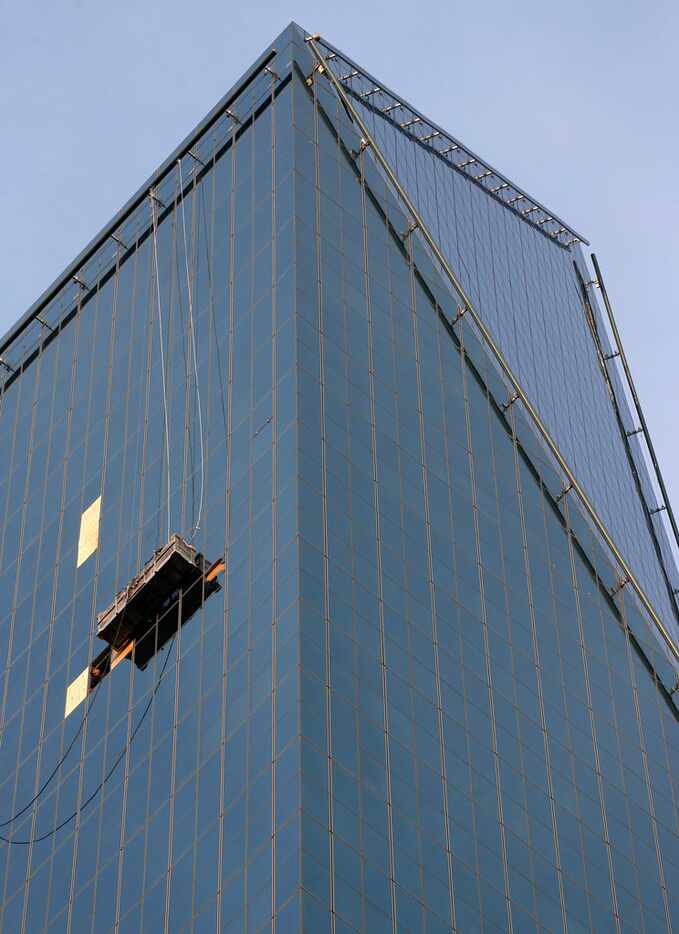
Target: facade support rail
(625, 433)
(619, 352)
(495, 350)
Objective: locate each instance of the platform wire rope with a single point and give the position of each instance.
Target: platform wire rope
(368, 141)
(192, 333)
(154, 234)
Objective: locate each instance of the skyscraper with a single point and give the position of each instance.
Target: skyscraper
(337, 579)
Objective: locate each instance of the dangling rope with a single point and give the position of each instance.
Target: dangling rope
(56, 768)
(119, 758)
(193, 350)
(67, 751)
(154, 229)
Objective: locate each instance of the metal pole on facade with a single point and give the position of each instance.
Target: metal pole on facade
(635, 397)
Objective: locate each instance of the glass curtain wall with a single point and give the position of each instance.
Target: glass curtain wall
(482, 745)
(198, 753)
(525, 288)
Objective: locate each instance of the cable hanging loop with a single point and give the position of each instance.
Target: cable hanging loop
(50, 833)
(55, 769)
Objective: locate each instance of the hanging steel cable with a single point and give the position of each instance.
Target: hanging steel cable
(189, 291)
(154, 233)
(55, 769)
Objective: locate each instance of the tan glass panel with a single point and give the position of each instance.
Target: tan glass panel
(89, 531)
(76, 692)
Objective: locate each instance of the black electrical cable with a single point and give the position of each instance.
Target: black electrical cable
(110, 772)
(70, 746)
(57, 766)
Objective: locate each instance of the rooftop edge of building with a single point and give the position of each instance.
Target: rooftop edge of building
(509, 192)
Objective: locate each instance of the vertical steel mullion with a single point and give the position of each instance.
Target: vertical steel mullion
(431, 582)
(150, 800)
(248, 532)
(55, 583)
(10, 442)
(91, 634)
(123, 808)
(50, 636)
(173, 763)
(274, 503)
(227, 522)
(60, 536)
(38, 380)
(538, 669)
(324, 507)
(208, 232)
(592, 721)
(378, 549)
(486, 638)
(22, 531)
(135, 315)
(646, 766)
(151, 311)
(135, 318)
(104, 473)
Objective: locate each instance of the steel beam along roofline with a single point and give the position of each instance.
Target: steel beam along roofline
(628, 576)
(136, 199)
(439, 129)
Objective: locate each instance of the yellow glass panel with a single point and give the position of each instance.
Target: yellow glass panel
(76, 692)
(89, 531)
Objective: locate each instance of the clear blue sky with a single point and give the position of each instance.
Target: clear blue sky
(576, 102)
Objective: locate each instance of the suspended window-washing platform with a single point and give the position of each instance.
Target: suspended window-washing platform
(143, 617)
